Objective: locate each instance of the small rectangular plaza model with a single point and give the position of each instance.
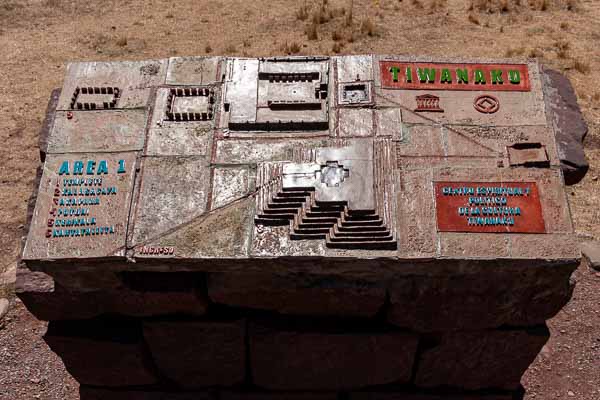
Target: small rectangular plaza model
(224, 221)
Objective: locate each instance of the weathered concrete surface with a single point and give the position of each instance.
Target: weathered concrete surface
(239, 151)
(112, 130)
(355, 122)
(148, 296)
(230, 184)
(279, 396)
(354, 68)
(297, 294)
(198, 354)
(95, 393)
(102, 354)
(88, 281)
(92, 393)
(512, 296)
(569, 126)
(484, 359)
(133, 78)
(222, 233)
(193, 70)
(177, 138)
(36, 289)
(411, 396)
(296, 360)
(166, 196)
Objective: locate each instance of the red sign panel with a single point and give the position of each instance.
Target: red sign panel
(506, 207)
(438, 76)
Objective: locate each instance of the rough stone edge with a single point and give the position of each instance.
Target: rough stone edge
(25, 280)
(570, 128)
(590, 252)
(103, 393)
(48, 123)
(525, 343)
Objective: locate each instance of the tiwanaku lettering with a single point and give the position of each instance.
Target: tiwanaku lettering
(423, 76)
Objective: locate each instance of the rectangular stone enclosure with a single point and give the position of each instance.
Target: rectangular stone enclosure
(301, 227)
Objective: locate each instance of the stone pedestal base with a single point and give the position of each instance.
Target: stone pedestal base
(189, 346)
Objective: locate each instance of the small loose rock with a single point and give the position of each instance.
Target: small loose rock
(3, 307)
(591, 254)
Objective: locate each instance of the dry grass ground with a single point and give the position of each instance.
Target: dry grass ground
(38, 37)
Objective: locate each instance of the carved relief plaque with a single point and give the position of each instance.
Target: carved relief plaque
(508, 207)
(454, 76)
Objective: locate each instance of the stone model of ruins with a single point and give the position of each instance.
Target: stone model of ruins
(353, 227)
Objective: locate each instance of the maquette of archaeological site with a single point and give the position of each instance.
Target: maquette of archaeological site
(350, 227)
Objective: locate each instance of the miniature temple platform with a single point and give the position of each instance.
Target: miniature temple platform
(362, 227)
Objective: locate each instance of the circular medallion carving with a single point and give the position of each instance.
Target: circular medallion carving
(486, 104)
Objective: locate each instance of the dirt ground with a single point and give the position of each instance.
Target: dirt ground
(38, 38)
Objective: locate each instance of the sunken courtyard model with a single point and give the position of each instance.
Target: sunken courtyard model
(353, 227)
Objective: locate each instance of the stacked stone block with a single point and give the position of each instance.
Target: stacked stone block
(250, 336)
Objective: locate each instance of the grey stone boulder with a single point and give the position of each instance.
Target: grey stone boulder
(569, 126)
(591, 254)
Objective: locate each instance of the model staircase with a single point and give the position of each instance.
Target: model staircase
(333, 221)
(361, 230)
(310, 219)
(316, 220)
(342, 228)
(283, 206)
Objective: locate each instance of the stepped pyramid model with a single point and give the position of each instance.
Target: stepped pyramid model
(332, 198)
